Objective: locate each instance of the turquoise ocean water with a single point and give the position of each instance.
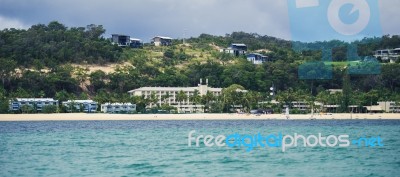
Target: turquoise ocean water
(160, 148)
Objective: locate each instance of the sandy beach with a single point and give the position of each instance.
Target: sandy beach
(101, 116)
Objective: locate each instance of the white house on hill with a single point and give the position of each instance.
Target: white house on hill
(161, 41)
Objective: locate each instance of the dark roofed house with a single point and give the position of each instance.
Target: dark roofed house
(239, 46)
(120, 40)
(136, 43)
(162, 41)
(235, 49)
(126, 41)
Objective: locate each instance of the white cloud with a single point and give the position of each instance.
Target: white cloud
(389, 13)
(11, 23)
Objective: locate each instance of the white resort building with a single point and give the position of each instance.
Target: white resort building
(36, 103)
(184, 106)
(389, 106)
(118, 108)
(80, 105)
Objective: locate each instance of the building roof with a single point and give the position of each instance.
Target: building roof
(374, 108)
(240, 90)
(215, 89)
(79, 101)
(256, 54)
(35, 99)
(238, 44)
(185, 89)
(332, 91)
(135, 39)
(162, 37)
(118, 104)
(119, 35)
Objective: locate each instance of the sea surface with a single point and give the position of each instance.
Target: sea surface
(160, 148)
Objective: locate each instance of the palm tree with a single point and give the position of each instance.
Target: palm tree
(323, 97)
(310, 100)
(152, 99)
(249, 100)
(165, 97)
(232, 96)
(141, 102)
(195, 99)
(206, 99)
(286, 97)
(180, 97)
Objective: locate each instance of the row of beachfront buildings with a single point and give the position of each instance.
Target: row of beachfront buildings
(168, 95)
(88, 106)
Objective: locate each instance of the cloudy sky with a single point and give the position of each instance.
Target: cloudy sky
(146, 18)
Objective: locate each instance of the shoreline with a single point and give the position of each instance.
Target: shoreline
(199, 116)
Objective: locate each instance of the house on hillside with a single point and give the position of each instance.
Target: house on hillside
(135, 43)
(256, 58)
(161, 41)
(120, 40)
(391, 55)
(235, 49)
(126, 41)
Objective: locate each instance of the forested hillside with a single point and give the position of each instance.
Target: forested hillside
(54, 44)
(57, 61)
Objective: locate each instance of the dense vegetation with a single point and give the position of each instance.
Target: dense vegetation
(54, 44)
(41, 62)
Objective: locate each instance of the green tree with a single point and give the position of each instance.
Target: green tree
(165, 98)
(195, 98)
(206, 100)
(141, 103)
(169, 53)
(49, 109)
(152, 99)
(63, 96)
(97, 80)
(232, 95)
(181, 97)
(94, 31)
(81, 74)
(102, 97)
(323, 97)
(286, 97)
(4, 102)
(346, 93)
(27, 109)
(7, 69)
